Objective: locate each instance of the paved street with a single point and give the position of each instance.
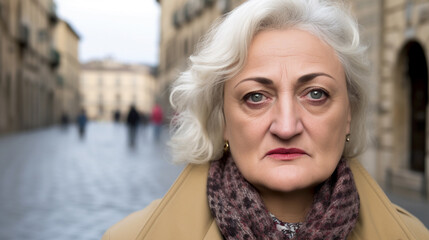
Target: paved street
(54, 185)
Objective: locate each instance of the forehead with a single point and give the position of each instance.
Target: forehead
(285, 43)
(289, 52)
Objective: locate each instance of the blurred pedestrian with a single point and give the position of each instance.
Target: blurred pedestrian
(133, 120)
(64, 120)
(156, 119)
(117, 116)
(81, 123)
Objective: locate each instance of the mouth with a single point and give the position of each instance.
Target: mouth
(286, 153)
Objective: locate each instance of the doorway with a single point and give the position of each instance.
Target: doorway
(417, 74)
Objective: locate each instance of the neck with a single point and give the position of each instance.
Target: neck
(291, 207)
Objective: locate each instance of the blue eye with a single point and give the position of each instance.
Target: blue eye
(256, 97)
(316, 94)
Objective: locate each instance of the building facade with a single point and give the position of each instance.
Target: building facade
(28, 63)
(397, 35)
(183, 23)
(108, 86)
(67, 99)
(403, 95)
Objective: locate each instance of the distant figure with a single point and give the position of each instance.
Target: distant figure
(64, 120)
(133, 119)
(81, 123)
(156, 120)
(117, 116)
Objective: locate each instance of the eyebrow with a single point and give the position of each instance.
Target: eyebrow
(301, 80)
(261, 80)
(311, 76)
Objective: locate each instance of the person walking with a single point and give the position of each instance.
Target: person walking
(133, 119)
(156, 119)
(81, 123)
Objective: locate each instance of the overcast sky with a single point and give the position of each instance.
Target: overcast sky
(127, 30)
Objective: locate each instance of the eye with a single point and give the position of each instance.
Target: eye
(317, 95)
(254, 98)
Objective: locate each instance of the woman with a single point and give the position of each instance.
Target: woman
(270, 114)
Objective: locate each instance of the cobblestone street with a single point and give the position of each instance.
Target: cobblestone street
(56, 186)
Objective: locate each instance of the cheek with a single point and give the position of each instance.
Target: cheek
(243, 132)
(330, 131)
(236, 125)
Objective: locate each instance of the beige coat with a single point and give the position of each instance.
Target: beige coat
(183, 213)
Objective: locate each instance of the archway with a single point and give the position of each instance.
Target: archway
(417, 75)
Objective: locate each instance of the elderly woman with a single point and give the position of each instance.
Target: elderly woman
(270, 115)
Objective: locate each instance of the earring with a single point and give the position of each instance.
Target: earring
(226, 146)
(348, 137)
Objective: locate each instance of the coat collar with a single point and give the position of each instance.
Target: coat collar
(183, 213)
(378, 217)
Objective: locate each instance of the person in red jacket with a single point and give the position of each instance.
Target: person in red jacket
(156, 119)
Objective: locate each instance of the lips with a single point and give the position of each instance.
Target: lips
(286, 153)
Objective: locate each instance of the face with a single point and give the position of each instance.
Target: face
(287, 112)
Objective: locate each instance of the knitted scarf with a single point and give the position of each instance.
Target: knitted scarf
(240, 212)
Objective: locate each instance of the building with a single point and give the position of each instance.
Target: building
(397, 33)
(183, 23)
(67, 99)
(28, 64)
(402, 115)
(108, 86)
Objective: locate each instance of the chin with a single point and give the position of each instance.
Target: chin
(286, 186)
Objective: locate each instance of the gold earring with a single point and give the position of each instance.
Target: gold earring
(226, 146)
(348, 137)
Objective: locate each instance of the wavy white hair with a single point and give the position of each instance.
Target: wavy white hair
(197, 95)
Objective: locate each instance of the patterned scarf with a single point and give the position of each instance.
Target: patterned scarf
(240, 212)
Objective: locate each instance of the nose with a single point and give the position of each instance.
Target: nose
(286, 121)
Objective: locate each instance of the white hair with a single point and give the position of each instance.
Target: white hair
(197, 95)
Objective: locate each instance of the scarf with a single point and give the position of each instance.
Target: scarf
(240, 213)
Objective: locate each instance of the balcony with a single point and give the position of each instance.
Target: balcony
(55, 58)
(23, 35)
(189, 11)
(178, 19)
(52, 14)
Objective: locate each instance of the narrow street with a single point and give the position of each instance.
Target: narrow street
(56, 186)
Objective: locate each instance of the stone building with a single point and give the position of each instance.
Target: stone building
(108, 86)
(397, 35)
(183, 23)
(28, 62)
(67, 100)
(403, 94)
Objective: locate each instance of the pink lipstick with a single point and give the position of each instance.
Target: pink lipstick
(286, 153)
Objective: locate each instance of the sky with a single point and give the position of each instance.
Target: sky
(125, 30)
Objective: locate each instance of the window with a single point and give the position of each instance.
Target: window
(42, 35)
